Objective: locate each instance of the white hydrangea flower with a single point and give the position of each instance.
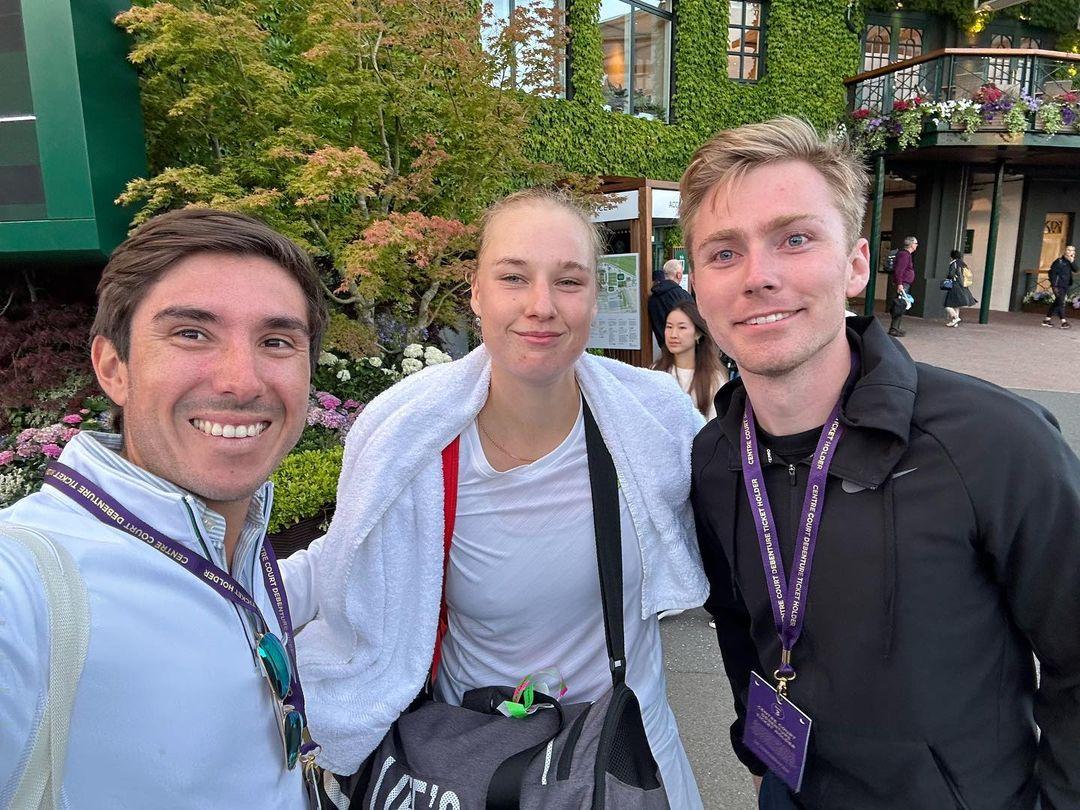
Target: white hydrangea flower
(433, 356)
(375, 362)
(410, 365)
(327, 359)
(414, 350)
(344, 375)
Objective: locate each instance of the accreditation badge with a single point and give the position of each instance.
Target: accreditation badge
(776, 731)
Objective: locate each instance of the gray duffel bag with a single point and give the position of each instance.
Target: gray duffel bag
(580, 756)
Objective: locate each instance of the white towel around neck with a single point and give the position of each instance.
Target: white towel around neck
(364, 658)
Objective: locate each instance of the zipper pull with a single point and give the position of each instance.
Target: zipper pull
(791, 473)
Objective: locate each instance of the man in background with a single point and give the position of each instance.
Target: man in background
(903, 275)
(1061, 278)
(666, 292)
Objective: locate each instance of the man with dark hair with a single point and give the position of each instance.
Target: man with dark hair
(666, 292)
(206, 332)
(903, 275)
(1061, 278)
(889, 545)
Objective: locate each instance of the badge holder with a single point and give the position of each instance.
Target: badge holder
(776, 730)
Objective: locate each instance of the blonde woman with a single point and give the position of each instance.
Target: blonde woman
(521, 585)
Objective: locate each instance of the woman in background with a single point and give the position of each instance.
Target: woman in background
(691, 356)
(958, 295)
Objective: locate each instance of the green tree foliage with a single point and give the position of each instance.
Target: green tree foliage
(368, 130)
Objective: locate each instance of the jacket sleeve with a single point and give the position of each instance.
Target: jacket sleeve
(301, 585)
(24, 662)
(1029, 523)
(731, 617)
(904, 272)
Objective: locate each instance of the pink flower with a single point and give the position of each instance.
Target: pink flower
(84, 411)
(6, 457)
(51, 450)
(68, 433)
(72, 419)
(328, 401)
(24, 436)
(350, 404)
(28, 450)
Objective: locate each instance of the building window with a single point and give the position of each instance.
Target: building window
(746, 40)
(537, 65)
(884, 45)
(636, 38)
(22, 195)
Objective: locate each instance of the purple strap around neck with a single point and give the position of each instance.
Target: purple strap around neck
(95, 501)
(788, 598)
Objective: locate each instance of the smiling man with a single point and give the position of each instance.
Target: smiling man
(888, 544)
(206, 331)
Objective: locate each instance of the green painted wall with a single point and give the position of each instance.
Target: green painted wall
(89, 140)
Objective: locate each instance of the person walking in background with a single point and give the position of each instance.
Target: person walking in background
(1061, 279)
(903, 275)
(691, 356)
(666, 292)
(957, 294)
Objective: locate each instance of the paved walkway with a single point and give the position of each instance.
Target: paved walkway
(1014, 351)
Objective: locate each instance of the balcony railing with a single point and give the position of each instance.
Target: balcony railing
(952, 74)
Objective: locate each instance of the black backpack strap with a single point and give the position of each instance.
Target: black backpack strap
(604, 483)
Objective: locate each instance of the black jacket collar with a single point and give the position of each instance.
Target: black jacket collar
(877, 411)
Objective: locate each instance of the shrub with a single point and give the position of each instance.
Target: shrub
(44, 364)
(303, 484)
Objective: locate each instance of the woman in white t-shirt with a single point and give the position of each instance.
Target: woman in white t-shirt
(522, 586)
(691, 356)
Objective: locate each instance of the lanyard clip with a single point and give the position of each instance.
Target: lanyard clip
(785, 673)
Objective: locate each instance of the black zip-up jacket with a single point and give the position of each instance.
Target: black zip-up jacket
(948, 553)
(1061, 273)
(663, 297)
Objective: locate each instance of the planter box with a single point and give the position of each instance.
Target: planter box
(300, 534)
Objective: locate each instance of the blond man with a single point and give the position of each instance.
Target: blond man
(881, 573)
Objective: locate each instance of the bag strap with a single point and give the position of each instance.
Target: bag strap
(604, 483)
(450, 455)
(69, 638)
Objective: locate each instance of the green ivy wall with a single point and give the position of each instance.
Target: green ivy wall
(809, 50)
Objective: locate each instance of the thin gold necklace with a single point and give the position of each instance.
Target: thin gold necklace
(499, 447)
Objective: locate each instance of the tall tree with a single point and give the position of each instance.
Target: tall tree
(371, 131)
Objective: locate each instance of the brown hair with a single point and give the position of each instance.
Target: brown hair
(707, 365)
(145, 256)
(729, 155)
(551, 196)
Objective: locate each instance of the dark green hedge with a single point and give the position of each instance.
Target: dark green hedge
(809, 50)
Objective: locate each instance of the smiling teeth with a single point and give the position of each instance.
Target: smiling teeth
(776, 316)
(230, 431)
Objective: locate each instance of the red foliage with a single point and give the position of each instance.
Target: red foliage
(41, 349)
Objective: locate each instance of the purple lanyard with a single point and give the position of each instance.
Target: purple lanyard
(77, 487)
(788, 601)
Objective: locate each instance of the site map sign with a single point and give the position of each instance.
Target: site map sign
(618, 318)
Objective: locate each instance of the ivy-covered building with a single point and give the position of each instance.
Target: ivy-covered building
(646, 82)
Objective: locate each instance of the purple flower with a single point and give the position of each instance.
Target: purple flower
(1068, 116)
(350, 405)
(6, 457)
(72, 419)
(332, 419)
(51, 450)
(328, 401)
(24, 436)
(313, 415)
(28, 450)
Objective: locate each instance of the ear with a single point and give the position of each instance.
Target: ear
(111, 371)
(858, 268)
